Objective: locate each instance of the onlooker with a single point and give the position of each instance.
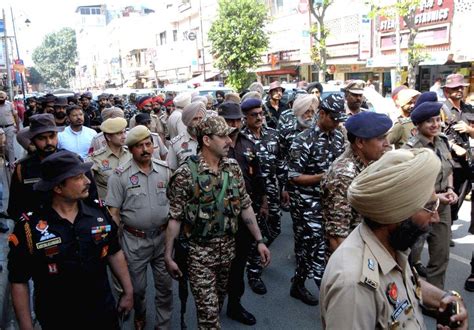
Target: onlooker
(76, 137)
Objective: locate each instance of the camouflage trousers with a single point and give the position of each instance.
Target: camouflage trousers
(309, 239)
(270, 228)
(208, 268)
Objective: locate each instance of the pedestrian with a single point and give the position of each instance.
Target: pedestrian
(427, 119)
(76, 137)
(210, 222)
(354, 96)
(274, 106)
(60, 115)
(10, 124)
(185, 144)
(145, 105)
(175, 124)
(311, 154)
(43, 134)
(107, 159)
(136, 196)
(65, 247)
(367, 136)
(403, 128)
(243, 150)
(368, 283)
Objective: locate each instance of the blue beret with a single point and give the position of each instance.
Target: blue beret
(368, 125)
(250, 104)
(425, 111)
(426, 97)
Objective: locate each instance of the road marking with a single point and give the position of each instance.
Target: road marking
(459, 258)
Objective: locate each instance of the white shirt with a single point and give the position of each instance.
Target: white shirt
(78, 142)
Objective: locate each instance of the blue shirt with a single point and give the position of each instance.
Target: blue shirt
(78, 142)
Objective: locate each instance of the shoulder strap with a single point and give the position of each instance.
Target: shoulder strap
(193, 166)
(370, 270)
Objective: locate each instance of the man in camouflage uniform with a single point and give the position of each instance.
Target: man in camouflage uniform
(207, 193)
(185, 143)
(144, 104)
(106, 160)
(311, 154)
(403, 128)
(266, 143)
(367, 135)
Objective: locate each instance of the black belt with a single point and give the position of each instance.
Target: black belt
(5, 126)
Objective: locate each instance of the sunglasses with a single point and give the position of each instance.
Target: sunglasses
(432, 207)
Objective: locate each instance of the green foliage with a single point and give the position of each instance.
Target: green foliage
(416, 54)
(34, 77)
(238, 38)
(55, 57)
(401, 8)
(319, 33)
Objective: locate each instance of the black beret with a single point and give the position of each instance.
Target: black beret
(229, 110)
(426, 97)
(250, 104)
(425, 111)
(368, 124)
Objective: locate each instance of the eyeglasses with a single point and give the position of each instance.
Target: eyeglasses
(256, 114)
(432, 207)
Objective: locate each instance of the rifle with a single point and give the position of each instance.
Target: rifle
(181, 248)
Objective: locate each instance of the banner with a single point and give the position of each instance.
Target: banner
(3, 62)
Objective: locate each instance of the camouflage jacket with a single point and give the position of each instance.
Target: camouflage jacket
(312, 152)
(338, 215)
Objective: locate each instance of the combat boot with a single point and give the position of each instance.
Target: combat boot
(299, 291)
(237, 312)
(257, 285)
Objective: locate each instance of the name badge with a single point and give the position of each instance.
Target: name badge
(400, 308)
(31, 180)
(48, 243)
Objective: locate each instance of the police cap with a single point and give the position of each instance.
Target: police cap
(368, 125)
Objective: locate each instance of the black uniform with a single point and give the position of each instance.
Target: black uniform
(67, 263)
(272, 115)
(22, 196)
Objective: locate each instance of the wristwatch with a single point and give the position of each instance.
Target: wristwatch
(260, 241)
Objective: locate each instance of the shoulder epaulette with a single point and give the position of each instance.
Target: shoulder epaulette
(26, 216)
(160, 162)
(176, 138)
(370, 270)
(98, 152)
(123, 167)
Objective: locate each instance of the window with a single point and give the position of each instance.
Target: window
(175, 35)
(163, 38)
(95, 11)
(85, 11)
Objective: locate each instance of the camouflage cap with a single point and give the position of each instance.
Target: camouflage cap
(214, 126)
(334, 104)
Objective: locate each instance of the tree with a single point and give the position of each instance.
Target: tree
(319, 33)
(407, 10)
(238, 38)
(56, 56)
(33, 76)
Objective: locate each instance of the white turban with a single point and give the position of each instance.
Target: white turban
(182, 99)
(303, 102)
(396, 186)
(191, 110)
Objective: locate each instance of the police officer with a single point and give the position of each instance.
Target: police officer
(268, 153)
(354, 98)
(367, 135)
(368, 283)
(185, 144)
(427, 119)
(98, 142)
(137, 199)
(10, 123)
(403, 128)
(144, 104)
(106, 160)
(43, 133)
(65, 247)
(160, 151)
(311, 154)
(274, 107)
(207, 193)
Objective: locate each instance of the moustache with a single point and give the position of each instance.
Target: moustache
(145, 154)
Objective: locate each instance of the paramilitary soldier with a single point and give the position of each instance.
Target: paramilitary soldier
(427, 119)
(207, 194)
(43, 133)
(367, 135)
(268, 153)
(137, 199)
(368, 282)
(65, 247)
(403, 128)
(311, 154)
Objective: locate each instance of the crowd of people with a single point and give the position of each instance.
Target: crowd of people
(195, 188)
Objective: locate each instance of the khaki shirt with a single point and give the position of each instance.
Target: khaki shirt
(104, 163)
(355, 287)
(402, 130)
(156, 125)
(441, 149)
(140, 197)
(175, 124)
(6, 114)
(181, 147)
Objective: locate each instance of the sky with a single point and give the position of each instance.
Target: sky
(48, 16)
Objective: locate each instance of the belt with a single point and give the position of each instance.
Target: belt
(142, 233)
(5, 126)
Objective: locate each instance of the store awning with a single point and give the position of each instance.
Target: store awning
(277, 72)
(199, 79)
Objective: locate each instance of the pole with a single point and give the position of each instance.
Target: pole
(398, 77)
(7, 58)
(18, 57)
(202, 42)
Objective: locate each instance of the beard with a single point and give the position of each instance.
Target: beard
(48, 150)
(304, 123)
(406, 234)
(60, 115)
(192, 131)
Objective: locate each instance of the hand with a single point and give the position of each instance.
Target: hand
(285, 198)
(263, 213)
(452, 196)
(264, 254)
(173, 269)
(444, 198)
(125, 304)
(462, 127)
(461, 316)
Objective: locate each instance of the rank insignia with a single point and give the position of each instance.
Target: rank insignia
(52, 268)
(100, 219)
(134, 179)
(184, 145)
(392, 293)
(371, 264)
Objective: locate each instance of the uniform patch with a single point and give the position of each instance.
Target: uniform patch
(13, 239)
(101, 229)
(52, 268)
(48, 243)
(161, 184)
(392, 294)
(184, 145)
(134, 179)
(371, 264)
(105, 164)
(42, 226)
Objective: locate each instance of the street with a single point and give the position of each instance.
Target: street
(277, 310)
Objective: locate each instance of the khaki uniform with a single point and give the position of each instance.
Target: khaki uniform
(355, 291)
(7, 123)
(156, 125)
(144, 207)
(105, 162)
(181, 147)
(440, 234)
(402, 130)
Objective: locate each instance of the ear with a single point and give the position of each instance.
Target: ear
(206, 140)
(359, 143)
(57, 189)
